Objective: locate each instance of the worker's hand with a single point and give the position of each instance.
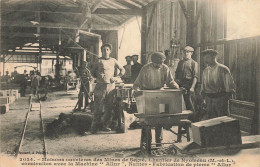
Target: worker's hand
(184, 91)
(113, 79)
(174, 85)
(191, 90)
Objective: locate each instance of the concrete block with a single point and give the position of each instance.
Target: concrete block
(3, 93)
(221, 131)
(15, 92)
(4, 108)
(4, 100)
(159, 101)
(12, 99)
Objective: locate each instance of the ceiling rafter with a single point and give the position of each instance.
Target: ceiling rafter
(118, 11)
(55, 25)
(102, 19)
(127, 4)
(96, 5)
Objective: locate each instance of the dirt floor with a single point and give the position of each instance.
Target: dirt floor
(69, 144)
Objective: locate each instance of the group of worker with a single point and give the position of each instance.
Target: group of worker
(36, 81)
(217, 84)
(131, 71)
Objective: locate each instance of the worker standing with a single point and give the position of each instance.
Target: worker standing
(153, 76)
(127, 77)
(23, 84)
(186, 76)
(135, 68)
(36, 83)
(217, 85)
(103, 71)
(85, 77)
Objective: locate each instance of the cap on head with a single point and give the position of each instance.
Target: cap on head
(128, 57)
(106, 45)
(188, 48)
(135, 56)
(210, 52)
(157, 57)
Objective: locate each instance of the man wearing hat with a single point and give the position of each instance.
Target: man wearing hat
(186, 75)
(153, 76)
(217, 85)
(127, 77)
(103, 71)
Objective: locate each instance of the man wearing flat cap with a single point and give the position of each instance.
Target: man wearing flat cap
(186, 75)
(153, 76)
(217, 85)
(103, 71)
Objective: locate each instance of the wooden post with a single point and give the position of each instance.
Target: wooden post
(190, 23)
(84, 55)
(143, 35)
(255, 125)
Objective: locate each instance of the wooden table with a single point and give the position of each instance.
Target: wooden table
(164, 120)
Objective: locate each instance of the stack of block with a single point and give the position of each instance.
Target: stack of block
(7, 97)
(4, 102)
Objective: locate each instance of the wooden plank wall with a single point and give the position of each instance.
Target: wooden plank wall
(166, 21)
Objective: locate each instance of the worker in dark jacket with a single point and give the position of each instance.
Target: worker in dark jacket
(135, 68)
(186, 75)
(23, 84)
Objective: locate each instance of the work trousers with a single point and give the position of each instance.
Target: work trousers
(83, 94)
(103, 98)
(158, 134)
(23, 89)
(187, 96)
(217, 106)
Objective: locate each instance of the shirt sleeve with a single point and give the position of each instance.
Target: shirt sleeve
(195, 70)
(170, 81)
(138, 82)
(202, 89)
(177, 72)
(228, 81)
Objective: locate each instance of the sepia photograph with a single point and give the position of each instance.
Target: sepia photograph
(129, 83)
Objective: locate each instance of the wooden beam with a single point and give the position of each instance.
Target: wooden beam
(135, 12)
(58, 25)
(138, 2)
(127, 4)
(63, 10)
(101, 19)
(184, 10)
(143, 34)
(197, 17)
(95, 5)
(151, 19)
(89, 34)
